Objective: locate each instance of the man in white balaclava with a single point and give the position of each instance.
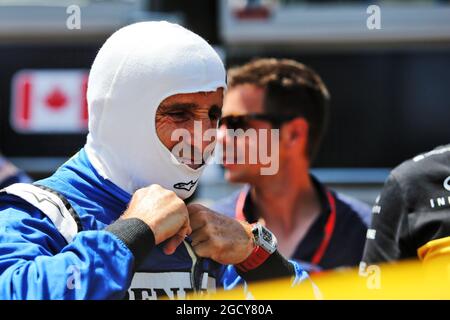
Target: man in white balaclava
(111, 222)
(136, 69)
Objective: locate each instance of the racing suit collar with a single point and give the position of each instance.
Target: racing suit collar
(85, 177)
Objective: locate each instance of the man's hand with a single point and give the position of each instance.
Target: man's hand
(220, 238)
(163, 212)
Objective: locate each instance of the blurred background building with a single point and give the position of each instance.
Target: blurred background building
(390, 87)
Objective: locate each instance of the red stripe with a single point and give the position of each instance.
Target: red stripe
(84, 105)
(24, 98)
(240, 206)
(254, 260)
(329, 228)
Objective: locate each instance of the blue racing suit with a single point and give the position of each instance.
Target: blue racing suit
(67, 254)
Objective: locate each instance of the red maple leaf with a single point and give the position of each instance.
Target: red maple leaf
(56, 99)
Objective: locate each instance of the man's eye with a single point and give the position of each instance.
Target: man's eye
(178, 116)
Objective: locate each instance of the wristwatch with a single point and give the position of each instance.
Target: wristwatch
(265, 243)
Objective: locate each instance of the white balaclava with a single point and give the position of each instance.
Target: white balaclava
(137, 68)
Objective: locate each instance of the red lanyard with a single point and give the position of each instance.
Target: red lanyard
(328, 230)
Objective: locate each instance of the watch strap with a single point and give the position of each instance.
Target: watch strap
(254, 260)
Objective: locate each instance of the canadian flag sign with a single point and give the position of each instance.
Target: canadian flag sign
(49, 101)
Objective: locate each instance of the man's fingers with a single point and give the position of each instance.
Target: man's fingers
(203, 249)
(186, 229)
(194, 207)
(197, 219)
(173, 243)
(198, 236)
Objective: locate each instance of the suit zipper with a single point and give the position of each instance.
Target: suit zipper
(195, 284)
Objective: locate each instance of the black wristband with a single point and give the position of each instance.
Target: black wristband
(137, 236)
(276, 266)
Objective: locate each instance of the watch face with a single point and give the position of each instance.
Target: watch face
(265, 239)
(267, 236)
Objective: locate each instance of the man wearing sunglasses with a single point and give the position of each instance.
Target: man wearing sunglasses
(313, 225)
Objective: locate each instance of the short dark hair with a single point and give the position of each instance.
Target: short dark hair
(290, 88)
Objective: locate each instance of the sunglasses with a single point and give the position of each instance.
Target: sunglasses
(242, 121)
